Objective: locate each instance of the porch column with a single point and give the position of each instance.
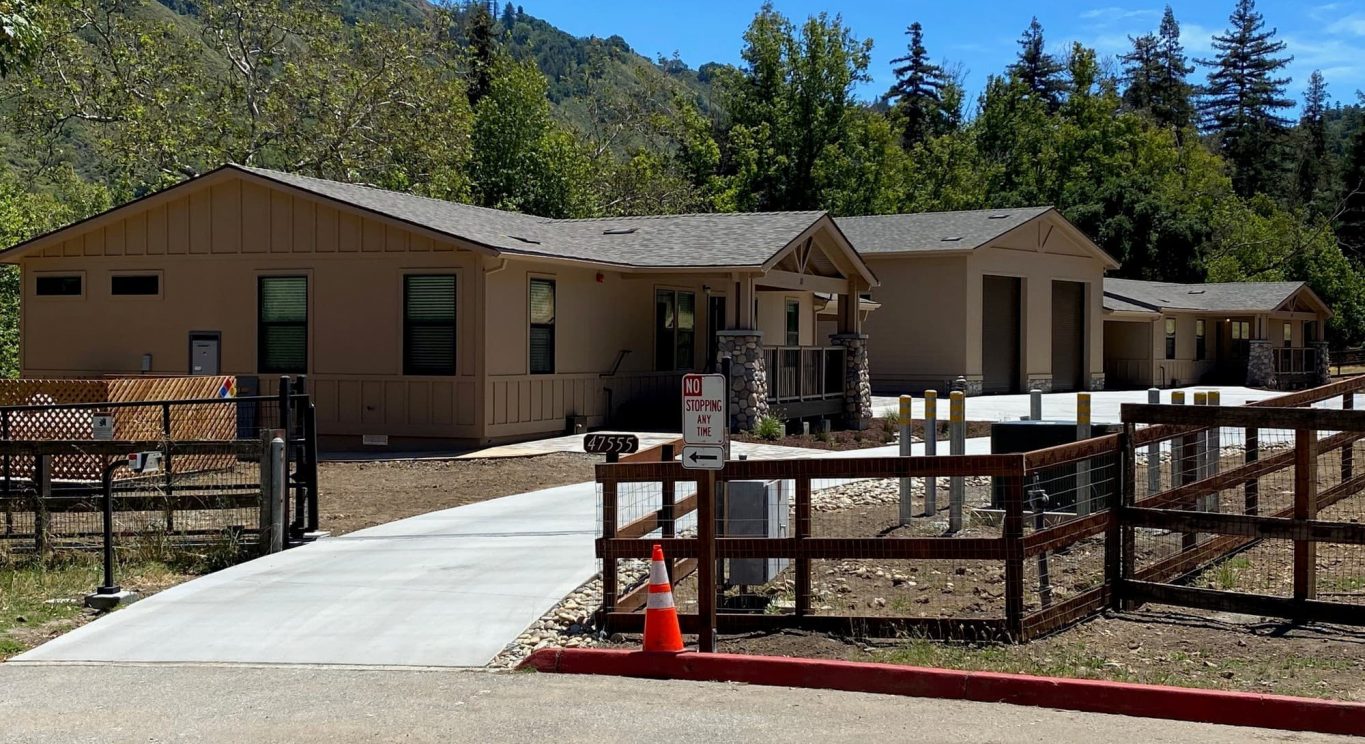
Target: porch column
(748, 376)
(1260, 364)
(1322, 370)
(857, 381)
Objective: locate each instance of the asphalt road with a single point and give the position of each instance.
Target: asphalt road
(107, 703)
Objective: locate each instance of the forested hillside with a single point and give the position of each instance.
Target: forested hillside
(1183, 169)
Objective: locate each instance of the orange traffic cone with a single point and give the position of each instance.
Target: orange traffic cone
(661, 617)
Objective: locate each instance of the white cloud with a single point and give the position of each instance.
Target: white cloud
(1114, 14)
(1352, 25)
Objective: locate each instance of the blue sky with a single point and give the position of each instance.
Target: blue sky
(981, 36)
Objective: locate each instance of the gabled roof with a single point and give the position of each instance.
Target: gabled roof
(933, 231)
(1134, 295)
(723, 240)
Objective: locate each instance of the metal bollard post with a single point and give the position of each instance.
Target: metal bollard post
(1201, 444)
(1083, 505)
(278, 493)
(1153, 451)
(1035, 405)
(1177, 446)
(957, 445)
(1215, 448)
(907, 405)
(930, 450)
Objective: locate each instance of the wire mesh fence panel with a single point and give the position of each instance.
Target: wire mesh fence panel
(872, 507)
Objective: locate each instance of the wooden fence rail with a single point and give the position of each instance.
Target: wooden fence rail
(1112, 528)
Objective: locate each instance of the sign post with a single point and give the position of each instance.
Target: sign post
(706, 433)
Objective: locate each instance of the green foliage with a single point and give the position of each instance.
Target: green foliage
(770, 427)
(523, 160)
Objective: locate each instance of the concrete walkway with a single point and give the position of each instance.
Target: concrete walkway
(449, 588)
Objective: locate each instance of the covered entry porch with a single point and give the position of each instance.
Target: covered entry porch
(786, 358)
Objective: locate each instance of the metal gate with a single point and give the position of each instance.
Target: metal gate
(1254, 510)
(52, 457)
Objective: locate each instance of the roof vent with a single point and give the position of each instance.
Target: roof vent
(951, 238)
(524, 240)
(998, 217)
(1196, 291)
(619, 230)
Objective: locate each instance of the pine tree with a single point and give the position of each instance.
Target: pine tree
(482, 52)
(1155, 74)
(1243, 96)
(1172, 99)
(918, 91)
(509, 16)
(1040, 72)
(1351, 224)
(1141, 73)
(1312, 131)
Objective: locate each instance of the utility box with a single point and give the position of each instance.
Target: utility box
(1008, 437)
(754, 509)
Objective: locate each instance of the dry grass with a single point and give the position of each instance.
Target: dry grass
(42, 599)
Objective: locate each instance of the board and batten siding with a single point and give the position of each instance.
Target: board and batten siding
(209, 244)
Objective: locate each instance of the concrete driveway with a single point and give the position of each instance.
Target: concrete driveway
(451, 588)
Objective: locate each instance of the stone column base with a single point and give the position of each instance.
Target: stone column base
(1260, 364)
(748, 377)
(857, 382)
(1097, 382)
(1042, 383)
(1323, 369)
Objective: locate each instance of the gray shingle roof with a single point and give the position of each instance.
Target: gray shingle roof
(933, 231)
(671, 241)
(1141, 296)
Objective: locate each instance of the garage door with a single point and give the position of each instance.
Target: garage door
(1000, 367)
(1068, 335)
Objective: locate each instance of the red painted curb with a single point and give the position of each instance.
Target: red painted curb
(1090, 696)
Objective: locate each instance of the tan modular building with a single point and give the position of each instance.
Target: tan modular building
(1009, 299)
(1260, 334)
(418, 320)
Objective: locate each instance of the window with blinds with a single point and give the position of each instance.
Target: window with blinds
(429, 324)
(542, 340)
(282, 328)
(793, 308)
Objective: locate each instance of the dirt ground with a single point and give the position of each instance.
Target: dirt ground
(1156, 645)
(881, 433)
(355, 495)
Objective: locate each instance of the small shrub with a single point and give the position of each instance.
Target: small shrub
(770, 428)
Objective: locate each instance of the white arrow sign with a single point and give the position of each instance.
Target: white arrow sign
(703, 457)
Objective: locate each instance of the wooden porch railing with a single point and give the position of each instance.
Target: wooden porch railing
(802, 373)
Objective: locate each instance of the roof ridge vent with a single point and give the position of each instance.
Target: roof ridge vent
(1197, 291)
(951, 238)
(532, 241)
(619, 230)
(1001, 216)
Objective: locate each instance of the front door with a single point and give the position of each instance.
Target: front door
(204, 353)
